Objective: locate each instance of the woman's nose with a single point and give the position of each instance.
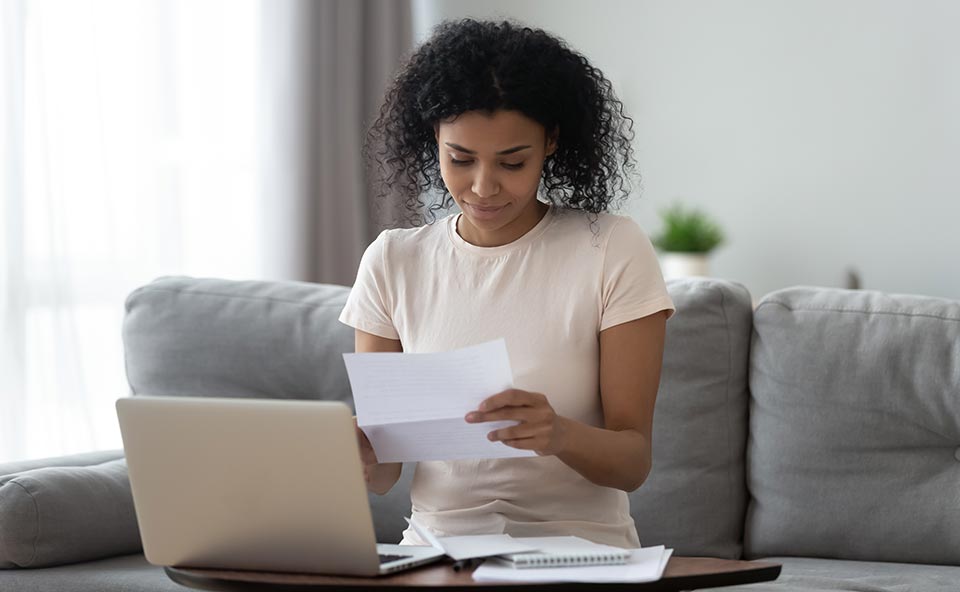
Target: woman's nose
(485, 184)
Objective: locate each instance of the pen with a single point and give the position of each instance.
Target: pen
(461, 564)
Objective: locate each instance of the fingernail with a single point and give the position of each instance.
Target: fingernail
(471, 416)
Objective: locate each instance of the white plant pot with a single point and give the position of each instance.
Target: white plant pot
(679, 265)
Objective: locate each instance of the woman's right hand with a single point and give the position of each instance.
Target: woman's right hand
(367, 455)
(379, 477)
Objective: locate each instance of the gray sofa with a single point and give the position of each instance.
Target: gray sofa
(820, 429)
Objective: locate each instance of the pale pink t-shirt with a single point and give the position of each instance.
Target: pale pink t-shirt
(549, 294)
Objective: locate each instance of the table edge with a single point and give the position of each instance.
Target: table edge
(765, 571)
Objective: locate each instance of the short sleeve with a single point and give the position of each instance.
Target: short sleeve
(633, 285)
(369, 306)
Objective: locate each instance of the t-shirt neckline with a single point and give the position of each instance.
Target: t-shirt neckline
(531, 235)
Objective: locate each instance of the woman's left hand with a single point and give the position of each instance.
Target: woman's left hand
(540, 428)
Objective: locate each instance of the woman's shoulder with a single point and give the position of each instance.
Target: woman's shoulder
(399, 241)
(602, 225)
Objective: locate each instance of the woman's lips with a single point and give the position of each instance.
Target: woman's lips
(485, 212)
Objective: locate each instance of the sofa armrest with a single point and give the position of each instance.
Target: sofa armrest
(65, 510)
(81, 459)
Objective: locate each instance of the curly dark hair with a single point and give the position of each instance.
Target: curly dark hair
(471, 65)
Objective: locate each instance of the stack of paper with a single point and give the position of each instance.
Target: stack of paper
(644, 565)
(472, 546)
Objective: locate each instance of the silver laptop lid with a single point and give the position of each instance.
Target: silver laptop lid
(248, 484)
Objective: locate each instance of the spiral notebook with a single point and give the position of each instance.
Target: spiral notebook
(566, 551)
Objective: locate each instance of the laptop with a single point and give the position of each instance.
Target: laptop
(253, 484)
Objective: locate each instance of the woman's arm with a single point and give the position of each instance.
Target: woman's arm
(619, 454)
(380, 477)
(631, 356)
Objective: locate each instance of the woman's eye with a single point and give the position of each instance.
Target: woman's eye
(507, 165)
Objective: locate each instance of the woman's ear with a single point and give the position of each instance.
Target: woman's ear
(436, 132)
(552, 139)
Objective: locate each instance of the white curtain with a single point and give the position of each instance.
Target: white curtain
(128, 132)
(141, 138)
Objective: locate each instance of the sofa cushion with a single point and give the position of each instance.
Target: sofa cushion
(129, 573)
(804, 574)
(695, 497)
(222, 338)
(64, 514)
(854, 449)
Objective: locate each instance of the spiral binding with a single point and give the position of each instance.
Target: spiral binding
(539, 560)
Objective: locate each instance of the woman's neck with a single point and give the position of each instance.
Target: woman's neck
(518, 227)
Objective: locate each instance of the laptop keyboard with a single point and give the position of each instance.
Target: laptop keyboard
(389, 558)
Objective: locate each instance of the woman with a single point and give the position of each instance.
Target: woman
(491, 114)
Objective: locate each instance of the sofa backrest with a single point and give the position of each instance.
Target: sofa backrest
(695, 498)
(854, 447)
(217, 338)
(187, 336)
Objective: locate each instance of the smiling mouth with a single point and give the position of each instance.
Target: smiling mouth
(486, 208)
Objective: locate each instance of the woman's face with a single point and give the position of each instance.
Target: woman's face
(491, 165)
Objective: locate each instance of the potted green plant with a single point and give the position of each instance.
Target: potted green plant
(685, 241)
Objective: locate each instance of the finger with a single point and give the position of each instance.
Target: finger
(522, 430)
(362, 438)
(510, 397)
(511, 433)
(506, 413)
(367, 454)
(524, 443)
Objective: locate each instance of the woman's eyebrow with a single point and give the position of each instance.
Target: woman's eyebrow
(507, 151)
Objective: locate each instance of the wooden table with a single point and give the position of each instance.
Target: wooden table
(682, 573)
